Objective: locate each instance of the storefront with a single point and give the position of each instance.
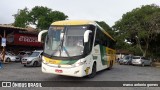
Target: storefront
(19, 39)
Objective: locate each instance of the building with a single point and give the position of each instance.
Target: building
(121, 53)
(18, 39)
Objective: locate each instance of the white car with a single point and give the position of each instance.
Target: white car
(22, 54)
(140, 60)
(10, 57)
(34, 59)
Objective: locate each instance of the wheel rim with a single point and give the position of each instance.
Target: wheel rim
(8, 60)
(93, 73)
(35, 64)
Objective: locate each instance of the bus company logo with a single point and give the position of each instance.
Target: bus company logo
(6, 84)
(59, 66)
(52, 62)
(87, 70)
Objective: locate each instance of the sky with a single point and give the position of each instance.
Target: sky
(109, 11)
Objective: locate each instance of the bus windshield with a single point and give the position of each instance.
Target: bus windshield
(71, 44)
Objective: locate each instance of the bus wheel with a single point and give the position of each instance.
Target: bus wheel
(93, 71)
(110, 65)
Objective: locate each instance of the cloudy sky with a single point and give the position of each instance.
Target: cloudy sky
(102, 10)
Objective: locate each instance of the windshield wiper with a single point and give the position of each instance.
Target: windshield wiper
(62, 47)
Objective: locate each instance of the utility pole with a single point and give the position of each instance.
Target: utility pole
(3, 44)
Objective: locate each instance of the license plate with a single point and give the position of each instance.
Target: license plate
(58, 71)
(24, 62)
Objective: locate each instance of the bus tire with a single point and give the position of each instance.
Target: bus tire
(110, 65)
(94, 70)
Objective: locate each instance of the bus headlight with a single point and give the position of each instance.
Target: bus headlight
(43, 60)
(80, 62)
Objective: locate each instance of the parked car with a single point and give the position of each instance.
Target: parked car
(9, 56)
(34, 59)
(140, 60)
(126, 60)
(22, 54)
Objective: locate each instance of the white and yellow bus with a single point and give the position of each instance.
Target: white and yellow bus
(77, 48)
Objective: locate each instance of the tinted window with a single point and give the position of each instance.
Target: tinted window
(136, 57)
(22, 53)
(103, 39)
(145, 58)
(126, 57)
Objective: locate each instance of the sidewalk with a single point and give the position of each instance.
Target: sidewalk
(156, 64)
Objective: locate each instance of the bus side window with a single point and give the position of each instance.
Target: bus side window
(96, 42)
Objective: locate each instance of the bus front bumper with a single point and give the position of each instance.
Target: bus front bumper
(78, 71)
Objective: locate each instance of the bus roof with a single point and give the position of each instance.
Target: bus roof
(80, 22)
(73, 22)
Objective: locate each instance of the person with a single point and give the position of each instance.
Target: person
(0, 63)
(1, 60)
(118, 60)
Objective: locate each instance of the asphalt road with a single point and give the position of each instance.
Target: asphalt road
(17, 72)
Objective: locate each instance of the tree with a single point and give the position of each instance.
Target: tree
(139, 27)
(39, 16)
(21, 18)
(106, 27)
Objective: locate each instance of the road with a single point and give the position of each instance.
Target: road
(17, 72)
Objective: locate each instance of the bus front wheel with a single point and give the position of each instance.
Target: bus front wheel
(94, 70)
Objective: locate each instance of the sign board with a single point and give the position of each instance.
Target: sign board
(3, 43)
(26, 40)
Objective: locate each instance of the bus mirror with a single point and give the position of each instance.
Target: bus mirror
(40, 35)
(86, 35)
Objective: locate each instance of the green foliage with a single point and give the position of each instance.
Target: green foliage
(40, 16)
(139, 27)
(21, 18)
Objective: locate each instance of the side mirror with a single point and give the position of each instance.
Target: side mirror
(86, 35)
(40, 35)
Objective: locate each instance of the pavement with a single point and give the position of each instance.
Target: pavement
(17, 72)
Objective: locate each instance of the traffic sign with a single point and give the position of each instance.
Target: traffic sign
(3, 43)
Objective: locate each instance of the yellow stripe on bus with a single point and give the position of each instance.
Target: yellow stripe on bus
(52, 61)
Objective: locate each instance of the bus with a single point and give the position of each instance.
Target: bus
(77, 48)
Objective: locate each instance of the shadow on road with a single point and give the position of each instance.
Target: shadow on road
(70, 78)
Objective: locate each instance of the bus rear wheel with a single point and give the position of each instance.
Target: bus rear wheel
(110, 65)
(94, 70)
